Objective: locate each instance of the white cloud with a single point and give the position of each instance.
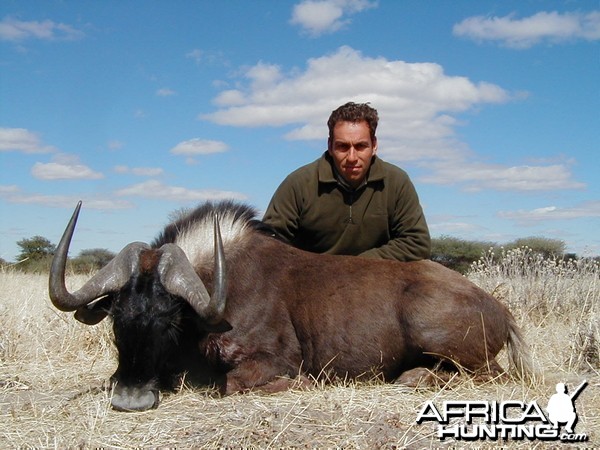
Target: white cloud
(22, 140)
(139, 171)
(475, 176)
(13, 194)
(195, 55)
(194, 147)
(15, 30)
(415, 100)
(326, 16)
(151, 189)
(8, 190)
(523, 33)
(418, 106)
(157, 190)
(453, 228)
(64, 167)
(231, 97)
(115, 145)
(589, 209)
(207, 57)
(165, 92)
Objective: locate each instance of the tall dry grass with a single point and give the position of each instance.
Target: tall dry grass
(54, 371)
(554, 300)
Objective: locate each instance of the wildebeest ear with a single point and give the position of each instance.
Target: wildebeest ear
(93, 313)
(220, 327)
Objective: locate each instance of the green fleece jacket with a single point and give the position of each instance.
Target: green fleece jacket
(380, 219)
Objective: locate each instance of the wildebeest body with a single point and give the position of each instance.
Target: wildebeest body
(308, 315)
(282, 312)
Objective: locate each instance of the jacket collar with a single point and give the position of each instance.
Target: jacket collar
(328, 174)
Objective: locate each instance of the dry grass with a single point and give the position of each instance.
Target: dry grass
(53, 373)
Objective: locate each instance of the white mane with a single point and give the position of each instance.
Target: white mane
(197, 240)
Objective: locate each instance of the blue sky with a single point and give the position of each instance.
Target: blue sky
(143, 108)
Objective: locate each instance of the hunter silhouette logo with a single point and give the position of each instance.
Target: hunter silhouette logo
(561, 407)
(516, 420)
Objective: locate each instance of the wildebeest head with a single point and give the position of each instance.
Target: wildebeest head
(144, 289)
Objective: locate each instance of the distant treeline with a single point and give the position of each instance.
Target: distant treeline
(458, 254)
(37, 252)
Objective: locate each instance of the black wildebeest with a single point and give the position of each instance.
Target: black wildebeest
(276, 312)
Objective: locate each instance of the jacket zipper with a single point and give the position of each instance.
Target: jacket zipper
(350, 220)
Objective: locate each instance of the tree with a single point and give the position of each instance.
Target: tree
(456, 253)
(547, 247)
(36, 254)
(91, 259)
(35, 248)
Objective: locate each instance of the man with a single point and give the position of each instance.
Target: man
(350, 202)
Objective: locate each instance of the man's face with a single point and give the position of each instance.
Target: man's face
(352, 149)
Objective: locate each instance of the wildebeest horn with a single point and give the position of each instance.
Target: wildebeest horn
(110, 278)
(179, 277)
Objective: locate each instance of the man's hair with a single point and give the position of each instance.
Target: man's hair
(353, 112)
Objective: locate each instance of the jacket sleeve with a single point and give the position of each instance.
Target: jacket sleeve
(283, 212)
(409, 234)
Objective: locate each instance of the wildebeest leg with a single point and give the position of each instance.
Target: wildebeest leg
(491, 370)
(261, 375)
(423, 377)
